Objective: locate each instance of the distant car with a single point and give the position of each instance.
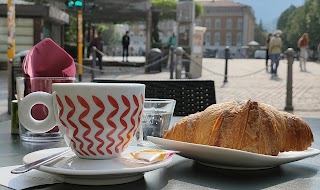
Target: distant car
(260, 54)
(208, 53)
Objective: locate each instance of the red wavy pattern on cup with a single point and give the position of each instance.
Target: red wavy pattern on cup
(86, 106)
(100, 104)
(114, 103)
(123, 122)
(133, 122)
(75, 132)
(61, 111)
(78, 144)
(140, 112)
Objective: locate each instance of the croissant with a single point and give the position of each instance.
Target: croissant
(247, 125)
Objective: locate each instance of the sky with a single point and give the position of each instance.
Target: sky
(269, 10)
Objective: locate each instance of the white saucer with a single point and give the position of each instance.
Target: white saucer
(71, 169)
(227, 158)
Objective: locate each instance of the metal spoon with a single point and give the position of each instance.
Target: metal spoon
(38, 163)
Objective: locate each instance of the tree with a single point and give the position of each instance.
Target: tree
(260, 34)
(296, 21)
(284, 17)
(109, 33)
(71, 37)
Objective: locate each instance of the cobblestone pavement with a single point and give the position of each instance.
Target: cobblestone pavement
(247, 78)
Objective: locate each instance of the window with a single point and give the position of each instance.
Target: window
(229, 23)
(217, 39)
(218, 24)
(207, 39)
(208, 23)
(239, 23)
(170, 24)
(199, 22)
(239, 39)
(228, 39)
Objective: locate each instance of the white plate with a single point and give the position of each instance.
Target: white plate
(71, 169)
(229, 158)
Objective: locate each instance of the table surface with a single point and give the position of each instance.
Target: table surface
(184, 173)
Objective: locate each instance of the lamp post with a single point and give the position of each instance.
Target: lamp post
(80, 43)
(11, 15)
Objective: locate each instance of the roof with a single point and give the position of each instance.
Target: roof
(221, 4)
(116, 11)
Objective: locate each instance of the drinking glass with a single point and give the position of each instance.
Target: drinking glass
(155, 119)
(27, 85)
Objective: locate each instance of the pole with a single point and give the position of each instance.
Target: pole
(290, 57)
(226, 66)
(148, 33)
(80, 44)
(171, 61)
(179, 52)
(11, 16)
(94, 62)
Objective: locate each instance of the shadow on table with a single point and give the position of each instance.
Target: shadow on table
(215, 178)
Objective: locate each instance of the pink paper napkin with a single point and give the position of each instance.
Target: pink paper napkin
(47, 59)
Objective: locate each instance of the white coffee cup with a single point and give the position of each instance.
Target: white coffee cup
(97, 120)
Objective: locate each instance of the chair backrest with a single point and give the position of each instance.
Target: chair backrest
(192, 95)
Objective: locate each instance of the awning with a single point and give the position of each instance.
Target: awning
(116, 11)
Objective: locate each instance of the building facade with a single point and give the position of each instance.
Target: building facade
(32, 24)
(138, 35)
(228, 24)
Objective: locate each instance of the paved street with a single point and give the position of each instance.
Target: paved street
(247, 79)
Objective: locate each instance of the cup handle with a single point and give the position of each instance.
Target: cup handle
(25, 117)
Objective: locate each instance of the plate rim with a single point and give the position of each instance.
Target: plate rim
(163, 143)
(73, 172)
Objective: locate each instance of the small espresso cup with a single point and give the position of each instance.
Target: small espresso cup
(97, 120)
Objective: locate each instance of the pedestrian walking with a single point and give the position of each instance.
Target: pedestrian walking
(267, 49)
(125, 46)
(303, 44)
(98, 43)
(275, 46)
(172, 41)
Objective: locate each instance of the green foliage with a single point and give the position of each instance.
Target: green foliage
(260, 34)
(71, 32)
(109, 34)
(296, 21)
(198, 9)
(284, 18)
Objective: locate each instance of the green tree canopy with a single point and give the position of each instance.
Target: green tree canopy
(260, 34)
(296, 21)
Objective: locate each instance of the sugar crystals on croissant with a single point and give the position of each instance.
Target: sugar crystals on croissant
(248, 125)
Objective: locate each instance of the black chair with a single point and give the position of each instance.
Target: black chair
(191, 95)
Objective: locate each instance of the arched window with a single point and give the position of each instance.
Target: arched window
(217, 39)
(229, 23)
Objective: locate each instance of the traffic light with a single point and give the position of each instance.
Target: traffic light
(74, 3)
(70, 4)
(78, 3)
